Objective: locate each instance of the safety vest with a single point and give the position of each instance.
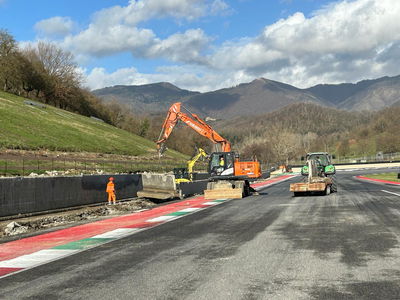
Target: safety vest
(110, 187)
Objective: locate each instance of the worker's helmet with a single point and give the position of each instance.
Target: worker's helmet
(111, 178)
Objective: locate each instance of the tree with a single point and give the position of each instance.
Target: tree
(59, 71)
(8, 60)
(144, 127)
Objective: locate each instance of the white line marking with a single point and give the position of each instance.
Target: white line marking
(190, 209)
(117, 233)
(210, 203)
(36, 258)
(391, 193)
(161, 218)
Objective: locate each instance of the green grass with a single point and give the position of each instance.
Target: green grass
(29, 127)
(384, 176)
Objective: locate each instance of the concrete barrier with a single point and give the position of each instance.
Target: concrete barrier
(193, 188)
(158, 181)
(22, 195)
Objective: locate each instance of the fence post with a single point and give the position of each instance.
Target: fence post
(23, 167)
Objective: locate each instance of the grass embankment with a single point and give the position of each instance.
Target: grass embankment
(30, 127)
(384, 176)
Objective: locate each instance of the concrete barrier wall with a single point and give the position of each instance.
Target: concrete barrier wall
(193, 188)
(23, 195)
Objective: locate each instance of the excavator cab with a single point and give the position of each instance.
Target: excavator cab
(221, 164)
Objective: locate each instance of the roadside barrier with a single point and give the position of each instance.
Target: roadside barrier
(23, 195)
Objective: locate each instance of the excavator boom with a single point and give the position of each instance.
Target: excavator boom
(193, 121)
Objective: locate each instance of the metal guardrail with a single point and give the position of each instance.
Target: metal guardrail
(355, 163)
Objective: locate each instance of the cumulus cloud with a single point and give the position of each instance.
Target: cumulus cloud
(182, 47)
(344, 41)
(117, 29)
(55, 26)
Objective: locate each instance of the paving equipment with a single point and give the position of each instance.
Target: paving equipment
(229, 176)
(319, 175)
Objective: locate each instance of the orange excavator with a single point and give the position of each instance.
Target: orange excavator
(175, 114)
(229, 176)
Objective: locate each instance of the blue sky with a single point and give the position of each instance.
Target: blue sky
(210, 44)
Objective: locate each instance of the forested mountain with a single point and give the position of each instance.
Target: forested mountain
(300, 118)
(383, 93)
(257, 97)
(148, 98)
(302, 127)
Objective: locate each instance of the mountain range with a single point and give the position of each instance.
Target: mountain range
(257, 97)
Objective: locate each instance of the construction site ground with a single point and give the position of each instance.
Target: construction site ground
(19, 227)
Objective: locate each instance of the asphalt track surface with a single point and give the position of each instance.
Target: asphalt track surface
(270, 246)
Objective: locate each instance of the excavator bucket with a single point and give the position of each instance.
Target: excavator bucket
(158, 186)
(224, 189)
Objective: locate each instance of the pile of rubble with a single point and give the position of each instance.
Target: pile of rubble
(67, 218)
(65, 173)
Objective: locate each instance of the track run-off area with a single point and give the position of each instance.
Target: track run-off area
(267, 246)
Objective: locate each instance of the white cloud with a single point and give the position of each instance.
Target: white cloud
(116, 29)
(182, 47)
(55, 26)
(220, 7)
(138, 11)
(99, 78)
(102, 41)
(340, 42)
(187, 77)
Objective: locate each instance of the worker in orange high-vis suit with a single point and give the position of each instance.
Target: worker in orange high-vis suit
(111, 191)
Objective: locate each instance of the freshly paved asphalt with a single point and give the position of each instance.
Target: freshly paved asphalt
(270, 246)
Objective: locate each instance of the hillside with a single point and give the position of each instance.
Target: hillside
(32, 127)
(148, 98)
(371, 95)
(258, 97)
(298, 128)
(377, 96)
(380, 134)
(300, 118)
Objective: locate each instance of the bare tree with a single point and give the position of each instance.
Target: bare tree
(59, 71)
(8, 60)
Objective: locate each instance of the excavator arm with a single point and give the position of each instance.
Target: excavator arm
(193, 121)
(192, 162)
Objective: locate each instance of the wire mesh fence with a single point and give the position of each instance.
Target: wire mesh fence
(379, 157)
(23, 166)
